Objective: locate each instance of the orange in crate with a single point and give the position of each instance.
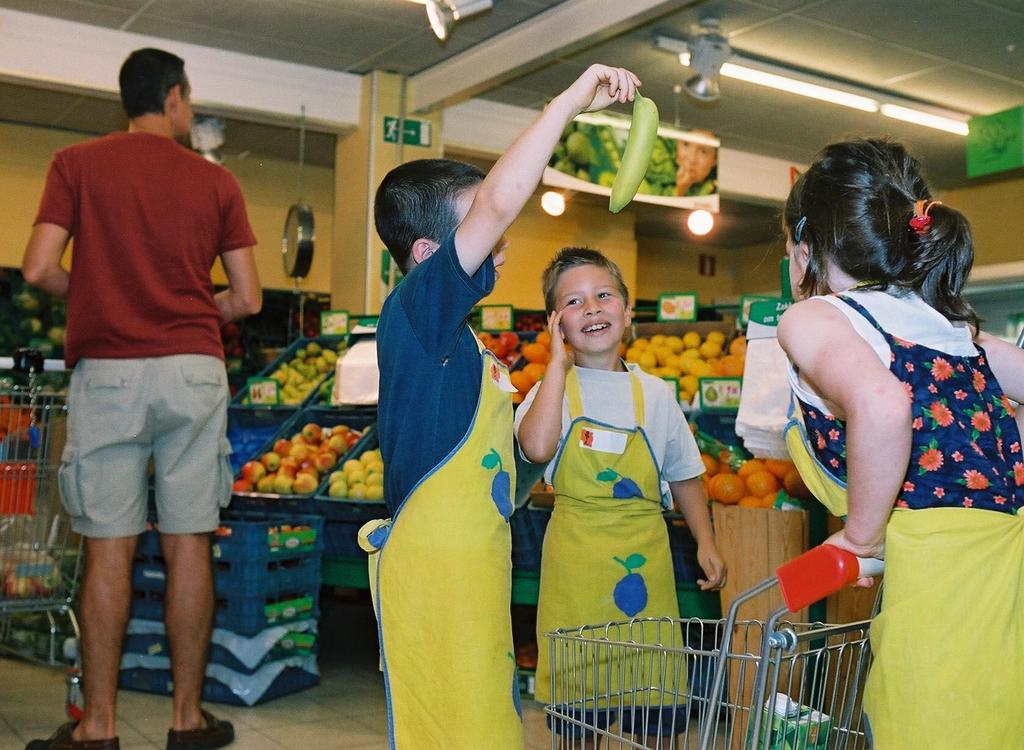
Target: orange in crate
(543, 338)
(535, 371)
(750, 502)
(762, 482)
(795, 486)
(535, 353)
(731, 366)
(778, 467)
(750, 466)
(17, 488)
(738, 346)
(521, 380)
(727, 488)
(711, 465)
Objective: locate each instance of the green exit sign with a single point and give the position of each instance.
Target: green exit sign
(995, 142)
(414, 132)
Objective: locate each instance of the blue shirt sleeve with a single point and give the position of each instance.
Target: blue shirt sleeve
(438, 295)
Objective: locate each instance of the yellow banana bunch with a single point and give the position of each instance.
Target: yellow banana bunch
(636, 157)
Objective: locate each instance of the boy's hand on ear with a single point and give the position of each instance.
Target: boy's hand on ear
(601, 86)
(560, 356)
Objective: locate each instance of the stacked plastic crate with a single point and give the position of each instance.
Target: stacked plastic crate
(266, 585)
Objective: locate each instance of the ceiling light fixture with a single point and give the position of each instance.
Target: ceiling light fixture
(553, 203)
(709, 49)
(772, 75)
(442, 14)
(700, 222)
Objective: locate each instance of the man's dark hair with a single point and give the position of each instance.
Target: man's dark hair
(146, 77)
(417, 199)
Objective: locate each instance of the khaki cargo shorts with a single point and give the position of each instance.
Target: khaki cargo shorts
(121, 413)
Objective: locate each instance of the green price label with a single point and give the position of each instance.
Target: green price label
(768, 311)
(746, 302)
(720, 394)
(334, 322)
(263, 391)
(496, 317)
(677, 306)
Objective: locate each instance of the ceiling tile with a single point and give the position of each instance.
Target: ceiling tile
(108, 14)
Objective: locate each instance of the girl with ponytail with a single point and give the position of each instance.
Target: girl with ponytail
(905, 405)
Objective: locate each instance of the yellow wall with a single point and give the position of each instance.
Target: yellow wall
(536, 237)
(269, 185)
(994, 210)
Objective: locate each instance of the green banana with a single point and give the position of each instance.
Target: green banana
(636, 157)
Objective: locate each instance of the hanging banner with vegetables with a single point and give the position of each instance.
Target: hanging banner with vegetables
(683, 170)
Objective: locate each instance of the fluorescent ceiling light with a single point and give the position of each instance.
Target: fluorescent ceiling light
(916, 116)
(803, 88)
(822, 88)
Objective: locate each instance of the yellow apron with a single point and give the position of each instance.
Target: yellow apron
(825, 487)
(441, 573)
(606, 554)
(948, 645)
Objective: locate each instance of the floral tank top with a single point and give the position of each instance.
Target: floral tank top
(966, 450)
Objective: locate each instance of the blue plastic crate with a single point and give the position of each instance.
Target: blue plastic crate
(360, 420)
(240, 577)
(154, 644)
(528, 525)
(257, 536)
(332, 341)
(245, 615)
(250, 428)
(159, 681)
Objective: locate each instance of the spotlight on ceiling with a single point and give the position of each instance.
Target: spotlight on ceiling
(553, 203)
(708, 50)
(700, 222)
(443, 14)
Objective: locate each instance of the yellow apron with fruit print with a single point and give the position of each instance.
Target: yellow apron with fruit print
(606, 554)
(441, 571)
(948, 644)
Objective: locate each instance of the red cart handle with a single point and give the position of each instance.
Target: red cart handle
(822, 571)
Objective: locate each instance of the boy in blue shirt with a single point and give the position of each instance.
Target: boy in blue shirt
(442, 564)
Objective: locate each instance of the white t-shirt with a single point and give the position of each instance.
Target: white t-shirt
(901, 314)
(608, 397)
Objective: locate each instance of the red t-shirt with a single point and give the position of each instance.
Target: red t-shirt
(149, 218)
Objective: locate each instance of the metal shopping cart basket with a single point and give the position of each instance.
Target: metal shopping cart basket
(39, 555)
(674, 684)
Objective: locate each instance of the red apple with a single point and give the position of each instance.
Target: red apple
(510, 339)
(305, 484)
(253, 471)
(289, 467)
(338, 443)
(326, 460)
(283, 447)
(266, 485)
(352, 438)
(299, 452)
(271, 461)
(308, 463)
(241, 485)
(283, 485)
(312, 432)
(299, 439)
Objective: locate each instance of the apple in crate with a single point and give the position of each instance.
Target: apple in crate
(253, 472)
(305, 484)
(241, 485)
(338, 488)
(312, 432)
(283, 447)
(283, 484)
(325, 460)
(289, 467)
(271, 461)
(337, 442)
(266, 485)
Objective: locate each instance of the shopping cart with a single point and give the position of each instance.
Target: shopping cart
(674, 684)
(39, 555)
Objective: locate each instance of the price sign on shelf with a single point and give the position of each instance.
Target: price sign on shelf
(746, 302)
(334, 322)
(496, 317)
(263, 391)
(677, 306)
(674, 383)
(719, 394)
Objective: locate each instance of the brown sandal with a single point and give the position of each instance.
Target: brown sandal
(62, 740)
(215, 734)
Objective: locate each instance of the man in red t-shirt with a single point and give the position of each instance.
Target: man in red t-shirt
(149, 218)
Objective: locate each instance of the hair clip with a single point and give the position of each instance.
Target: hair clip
(798, 232)
(921, 220)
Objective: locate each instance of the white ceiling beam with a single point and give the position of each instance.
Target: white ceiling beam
(52, 53)
(527, 45)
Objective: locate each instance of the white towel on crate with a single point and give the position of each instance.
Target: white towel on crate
(356, 375)
(764, 407)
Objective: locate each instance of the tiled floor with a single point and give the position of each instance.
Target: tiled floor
(345, 711)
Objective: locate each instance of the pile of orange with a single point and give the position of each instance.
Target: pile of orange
(537, 354)
(755, 484)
